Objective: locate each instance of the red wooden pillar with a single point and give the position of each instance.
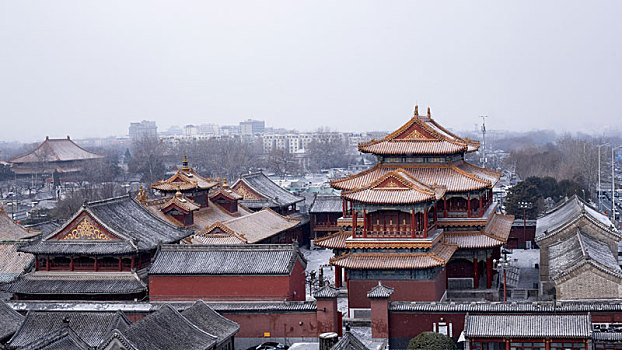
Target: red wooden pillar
(133, 264)
(480, 206)
(120, 264)
(364, 223)
(435, 212)
(354, 223)
(71, 263)
(413, 223)
(47, 263)
(475, 274)
(425, 223)
(468, 207)
(37, 264)
(445, 207)
(489, 273)
(96, 265)
(337, 277)
(343, 207)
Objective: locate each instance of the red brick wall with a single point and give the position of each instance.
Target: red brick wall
(405, 290)
(278, 325)
(276, 288)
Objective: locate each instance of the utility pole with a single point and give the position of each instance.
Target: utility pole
(599, 190)
(484, 159)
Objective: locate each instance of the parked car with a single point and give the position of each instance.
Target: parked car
(269, 346)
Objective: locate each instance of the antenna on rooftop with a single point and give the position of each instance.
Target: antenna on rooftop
(484, 160)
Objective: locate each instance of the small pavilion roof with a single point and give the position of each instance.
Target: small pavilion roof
(90, 327)
(111, 226)
(454, 177)
(528, 326)
(185, 179)
(579, 250)
(182, 202)
(326, 292)
(568, 212)
(395, 187)
(437, 256)
(248, 259)
(54, 150)
(226, 191)
(210, 321)
(77, 283)
(421, 135)
(168, 329)
(380, 292)
(266, 192)
(10, 321)
(326, 204)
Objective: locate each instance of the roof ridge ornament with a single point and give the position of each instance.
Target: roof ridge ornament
(416, 110)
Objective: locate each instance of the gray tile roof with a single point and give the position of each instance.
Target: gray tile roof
(221, 307)
(578, 250)
(349, 342)
(63, 339)
(326, 204)
(10, 231)
(326, 292)
(13, 263)
(261, 184)
(210, 321)
(77, 283)
(10, 321)
(137, 228)
(91, 327)
(569, 211)
(575, 306)
(380, 292)
(605, 337)
(251, 259)
(532, 326)
(168, 329)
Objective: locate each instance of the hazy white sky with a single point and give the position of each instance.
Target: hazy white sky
(89, 68)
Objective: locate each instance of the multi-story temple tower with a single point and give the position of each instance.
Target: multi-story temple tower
(418, 219)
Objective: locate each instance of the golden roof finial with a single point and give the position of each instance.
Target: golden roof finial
(142, 195)
(178, 193)
(184, 164)
(416, 110)
(429, 113)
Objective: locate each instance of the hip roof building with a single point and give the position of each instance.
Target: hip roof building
(53, 155)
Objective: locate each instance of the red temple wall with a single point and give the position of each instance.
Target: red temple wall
(276, 288)
(296, 324)
(405, 290)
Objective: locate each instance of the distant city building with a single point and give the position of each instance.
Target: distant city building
(252, 127)
(146, 128)
(230, 130)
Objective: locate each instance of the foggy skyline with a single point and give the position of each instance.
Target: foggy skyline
(88, 69)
